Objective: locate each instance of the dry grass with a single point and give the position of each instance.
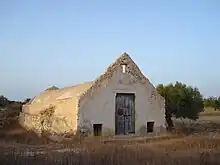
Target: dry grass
(214, 113)
(191, 144)
(210, 112)
(164, 149)
(189, 151)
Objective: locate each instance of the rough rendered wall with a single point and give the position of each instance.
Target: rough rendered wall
(67, 109)
(57, 118)
(100, 108)
(30, 122)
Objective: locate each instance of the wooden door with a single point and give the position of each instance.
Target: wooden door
(124, 113)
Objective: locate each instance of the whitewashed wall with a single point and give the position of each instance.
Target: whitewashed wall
(100, 108)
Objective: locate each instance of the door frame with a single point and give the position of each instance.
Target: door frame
(134, 99)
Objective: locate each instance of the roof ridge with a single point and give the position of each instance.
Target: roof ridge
(124, 58)
(75, 85)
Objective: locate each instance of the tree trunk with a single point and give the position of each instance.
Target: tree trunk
(169, 120)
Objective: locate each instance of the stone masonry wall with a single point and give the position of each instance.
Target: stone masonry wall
(45, 122)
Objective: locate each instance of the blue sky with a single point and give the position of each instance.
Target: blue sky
(51, 42)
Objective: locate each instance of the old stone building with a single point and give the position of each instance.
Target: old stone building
(120, 101)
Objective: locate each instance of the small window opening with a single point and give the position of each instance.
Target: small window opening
(97, 129)
(123, 68)
(150, 126)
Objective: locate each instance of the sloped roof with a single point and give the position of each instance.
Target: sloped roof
(49, 97)
(131, 68)
(62, 92)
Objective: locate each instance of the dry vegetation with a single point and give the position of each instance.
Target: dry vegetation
(210, 112)
(191, 143)
(189, 150)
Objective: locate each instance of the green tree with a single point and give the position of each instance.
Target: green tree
(218, 104)
(213, 102)
(26, 100)
(181, 101)
(3, 101)
(52, 88)
(210, 102)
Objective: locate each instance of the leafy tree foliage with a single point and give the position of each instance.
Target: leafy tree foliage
(26, 100)
(3, 101)
(52, 88)
(182, 101)
(213, 102)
